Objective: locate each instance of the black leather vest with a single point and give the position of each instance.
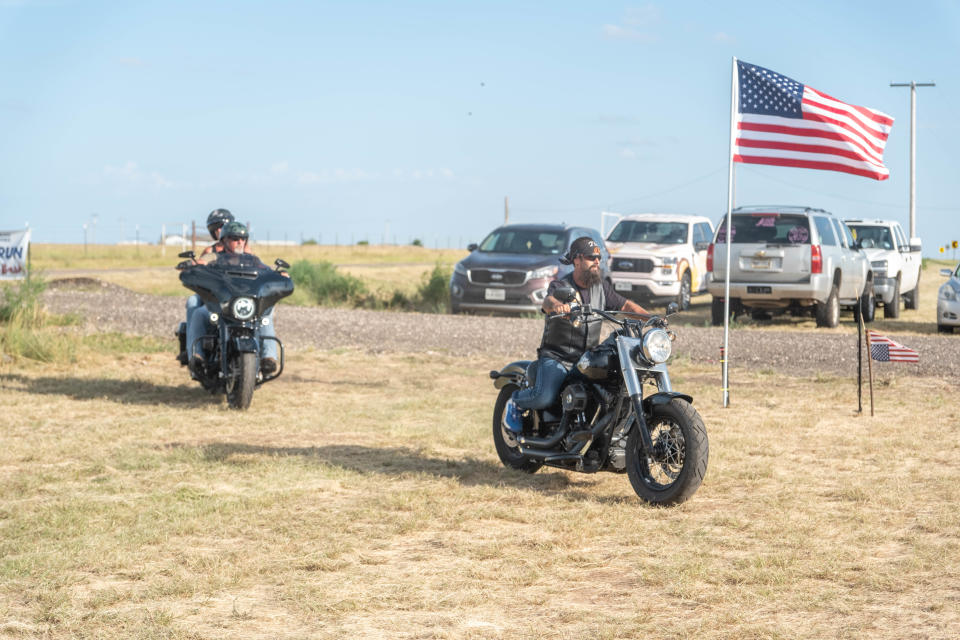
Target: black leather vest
(565, 339)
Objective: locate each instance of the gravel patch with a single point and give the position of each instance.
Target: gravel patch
(107, 307)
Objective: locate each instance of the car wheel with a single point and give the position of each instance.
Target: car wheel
(867, 306)
(716, 312)
(683, 298)
(941, 328)
(911, 299)
(892, 309)
(828, 312)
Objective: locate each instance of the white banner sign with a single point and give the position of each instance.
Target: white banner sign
(13, 254)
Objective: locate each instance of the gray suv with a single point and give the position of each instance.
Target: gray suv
(790, 259)
(509, 271)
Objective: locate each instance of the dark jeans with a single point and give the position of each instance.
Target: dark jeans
(545, 391)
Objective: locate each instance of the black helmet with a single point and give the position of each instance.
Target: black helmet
(218, 218)
(234, 230)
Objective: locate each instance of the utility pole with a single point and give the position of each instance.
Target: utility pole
(506, 209)
(913, 148)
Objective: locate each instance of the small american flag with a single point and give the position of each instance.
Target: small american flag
(884, 349)
(785, 123)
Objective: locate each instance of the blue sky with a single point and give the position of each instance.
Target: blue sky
(360, 120)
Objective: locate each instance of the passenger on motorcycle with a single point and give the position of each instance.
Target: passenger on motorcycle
(215, 222)
(233, 237)
(565, 338)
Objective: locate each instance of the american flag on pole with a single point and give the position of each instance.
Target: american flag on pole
(883, 349)
(783, 122)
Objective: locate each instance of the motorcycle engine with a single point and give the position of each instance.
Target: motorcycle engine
(574, 398)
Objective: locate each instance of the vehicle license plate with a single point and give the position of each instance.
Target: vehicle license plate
(495, 294)
(622, 286)
(759, 290)
(761, 263)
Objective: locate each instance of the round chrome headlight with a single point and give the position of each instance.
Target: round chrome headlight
(657, 346)
(243, 308)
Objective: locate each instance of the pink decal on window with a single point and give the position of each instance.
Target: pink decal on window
(798, 235)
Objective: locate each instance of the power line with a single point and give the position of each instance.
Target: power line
(837, 195)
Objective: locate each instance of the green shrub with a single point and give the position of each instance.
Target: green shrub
(21, 303)
(309, 242)
(434, 292)
(417, 242)
(325, 285)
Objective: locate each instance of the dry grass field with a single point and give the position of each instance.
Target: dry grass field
(360, 496)
(150, 269)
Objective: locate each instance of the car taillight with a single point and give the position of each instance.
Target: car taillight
(816, 259)
(710, 257)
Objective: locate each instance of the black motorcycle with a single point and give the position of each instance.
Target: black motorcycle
(602, 421)
(238, 292)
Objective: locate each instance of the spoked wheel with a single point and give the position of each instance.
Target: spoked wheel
(673, 471)
(503, 439)
(244, 379)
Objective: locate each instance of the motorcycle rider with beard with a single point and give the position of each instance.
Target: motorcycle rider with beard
(565, 338)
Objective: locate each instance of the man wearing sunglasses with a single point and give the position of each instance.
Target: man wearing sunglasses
(234, 237)
(565, 338)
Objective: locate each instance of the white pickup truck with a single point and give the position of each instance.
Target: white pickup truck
(896, 263)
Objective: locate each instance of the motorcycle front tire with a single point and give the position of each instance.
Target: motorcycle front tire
(508, 452)
(244, 367)
(673, 471)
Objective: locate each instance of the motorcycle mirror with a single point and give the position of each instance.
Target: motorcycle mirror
(186, 254)
(565, 295)
(672, 308)
(281, 264)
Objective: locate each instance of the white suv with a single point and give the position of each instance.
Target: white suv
(660, 257)
(896, 263)
(790, 259)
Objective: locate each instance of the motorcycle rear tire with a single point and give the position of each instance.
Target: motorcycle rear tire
(680, 454)
(240, 395)
(509, 454)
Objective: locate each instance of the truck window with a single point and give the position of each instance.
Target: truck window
(901, 238)
(771, 228)
(825, 229)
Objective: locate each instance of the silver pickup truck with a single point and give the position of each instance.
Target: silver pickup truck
(896, 263)
(796, 260)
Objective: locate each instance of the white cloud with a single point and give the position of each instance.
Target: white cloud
(723, 38)
(637, 25)
(615, 32)
(130, 174)
(645, 16)
(629, 154)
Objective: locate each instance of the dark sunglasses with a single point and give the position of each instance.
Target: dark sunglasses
(590, 256)
(234, 238)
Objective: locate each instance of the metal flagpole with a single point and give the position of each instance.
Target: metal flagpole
(725, 353)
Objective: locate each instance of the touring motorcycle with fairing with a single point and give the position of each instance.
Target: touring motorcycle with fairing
(602, 420)
(238, 291)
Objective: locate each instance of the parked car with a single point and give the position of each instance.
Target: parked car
(660, 257)
(948, 301)
(895, 262)
(509, 271)
(789, 259)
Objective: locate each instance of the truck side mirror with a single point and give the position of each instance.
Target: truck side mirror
(472, 247)
(281, 264)
(186, 254)
(915, 244)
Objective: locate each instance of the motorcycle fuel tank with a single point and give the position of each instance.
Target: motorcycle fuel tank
(598, 364)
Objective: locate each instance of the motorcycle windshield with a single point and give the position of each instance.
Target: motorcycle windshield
(234, 275)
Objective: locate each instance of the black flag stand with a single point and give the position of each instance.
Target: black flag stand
(860, 364)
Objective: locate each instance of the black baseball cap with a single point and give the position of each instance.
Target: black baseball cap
(582, 246)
